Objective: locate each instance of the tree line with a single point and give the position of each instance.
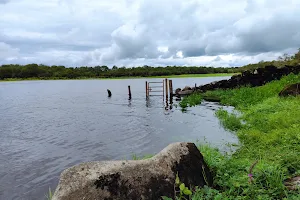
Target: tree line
(48, 72)
(41, 71)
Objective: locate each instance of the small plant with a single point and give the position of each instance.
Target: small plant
(135, 157)
(182, 192)
(49, 195)
(190, 101)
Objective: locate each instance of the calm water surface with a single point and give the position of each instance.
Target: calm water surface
(47, 126)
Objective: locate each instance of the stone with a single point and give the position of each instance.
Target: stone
(177, 90)
(293, 183)
(185, 92)
(257, 77)
(186, 88)
(290, 90)
(135, 179)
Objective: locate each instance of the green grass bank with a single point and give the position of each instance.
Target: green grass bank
(268, 128)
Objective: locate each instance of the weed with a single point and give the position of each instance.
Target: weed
(135, 157)
(268, 130)
(49, 195)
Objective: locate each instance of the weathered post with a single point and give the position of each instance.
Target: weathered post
(171, 88)
(109, 93)
(166, 81)
(129, 92)
(146, 89)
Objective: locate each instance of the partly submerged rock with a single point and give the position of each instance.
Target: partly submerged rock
(184, 93)
(136, 179)
(290, 90)
(186, 88)
(177, 90)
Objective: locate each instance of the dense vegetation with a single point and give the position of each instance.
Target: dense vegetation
(283, 60)
(35, 71)
(61, 72)
(268, 130)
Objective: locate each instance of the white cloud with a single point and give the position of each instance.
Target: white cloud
(139, 32)
(7, 52)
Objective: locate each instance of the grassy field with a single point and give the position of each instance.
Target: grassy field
(268, 128)
(194, 75)
(133, 77)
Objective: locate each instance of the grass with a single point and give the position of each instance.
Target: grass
(135, 157)
(268, 128)
(130, 77)
(49, 195)
(194, 75)
(190, 101)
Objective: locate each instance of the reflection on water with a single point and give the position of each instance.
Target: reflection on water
(47, 126)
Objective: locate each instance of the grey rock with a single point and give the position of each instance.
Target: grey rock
(186, 88)
(293, 183)
(177, 90)
(135, 179)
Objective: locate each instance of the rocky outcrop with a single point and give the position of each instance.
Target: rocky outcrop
(290, 90)
(141, 179)
(253, 78)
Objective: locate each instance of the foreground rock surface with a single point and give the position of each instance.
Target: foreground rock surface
(141, 179)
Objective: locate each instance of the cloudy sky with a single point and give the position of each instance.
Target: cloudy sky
(147, 32)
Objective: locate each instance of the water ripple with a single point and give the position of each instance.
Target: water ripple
(47, 126)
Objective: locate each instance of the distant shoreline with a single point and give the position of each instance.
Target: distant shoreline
(130, 77)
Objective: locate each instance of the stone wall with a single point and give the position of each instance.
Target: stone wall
(257, 77)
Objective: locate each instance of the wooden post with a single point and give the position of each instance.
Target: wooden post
(163, 87)
(109, 93)
(166, 81)
(171, 88)
(146, 89)
(129, 92)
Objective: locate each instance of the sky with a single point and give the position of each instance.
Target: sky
(218, 33)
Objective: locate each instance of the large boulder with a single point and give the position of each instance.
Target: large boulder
(291, 90)
(141, 179)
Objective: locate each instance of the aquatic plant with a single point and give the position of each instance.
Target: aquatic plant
(190, 101)
(49, 195)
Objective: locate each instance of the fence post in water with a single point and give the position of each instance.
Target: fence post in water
(129, 92)
(171, 88)
(109, 93)
(166, 80)
(146, 89)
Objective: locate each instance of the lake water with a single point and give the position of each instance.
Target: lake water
(47, 126)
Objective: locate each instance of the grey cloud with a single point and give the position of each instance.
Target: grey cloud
(130, 32)
(180, 26)
(4, 1)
